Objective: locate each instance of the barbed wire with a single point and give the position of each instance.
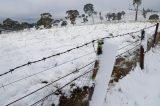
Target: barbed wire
(45, 58)
(59, 65)
(29, 63)
(128, 50)
(136, 31)
(45, 70)
(69, 50)
(51, 83)
(129, 44)
(61, 87)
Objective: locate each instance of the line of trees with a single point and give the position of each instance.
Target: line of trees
(46, 20)
(9, 24)
(114, 16)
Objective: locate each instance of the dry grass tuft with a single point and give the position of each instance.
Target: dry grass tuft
(78, 97)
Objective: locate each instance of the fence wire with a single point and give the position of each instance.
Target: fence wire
(77, 70)
(16, 81)
(69, 50)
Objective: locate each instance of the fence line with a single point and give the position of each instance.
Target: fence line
(139, 44)
(93, 41)
(120, 54)
(62, 87)
(69, 50)
(51, 83)
(136, 53)
(46, 70)
(129, 44)
(128, 50)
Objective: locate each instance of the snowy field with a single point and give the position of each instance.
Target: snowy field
(21, 47)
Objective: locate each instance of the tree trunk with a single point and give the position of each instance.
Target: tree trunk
(136, 13)
(92, 18)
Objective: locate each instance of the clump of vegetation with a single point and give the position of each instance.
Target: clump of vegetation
(154, 17)
(64, 23)
(77, 98)
(56, 22)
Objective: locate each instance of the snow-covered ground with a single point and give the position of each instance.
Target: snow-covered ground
(20, 47)
(140, 87)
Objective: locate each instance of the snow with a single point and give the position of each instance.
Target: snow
(18, 48)
(140, 87)
(104, 74)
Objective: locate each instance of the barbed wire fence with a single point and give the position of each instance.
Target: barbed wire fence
(69, 50)
(127, 60)
(77, 70)
(83, 79)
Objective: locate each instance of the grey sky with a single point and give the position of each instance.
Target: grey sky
(32, 8)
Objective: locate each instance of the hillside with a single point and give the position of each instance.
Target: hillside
(17, 48)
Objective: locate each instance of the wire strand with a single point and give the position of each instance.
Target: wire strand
(129, 44)
(50, 84)
(61, 87)
(45, 58)
(128, 50)
(45, 70)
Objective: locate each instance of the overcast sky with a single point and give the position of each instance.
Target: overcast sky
(32, 8)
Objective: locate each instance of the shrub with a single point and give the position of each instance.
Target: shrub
(64, 23)
(154, 17)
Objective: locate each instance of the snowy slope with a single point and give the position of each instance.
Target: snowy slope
(20, 47)
(140, 87)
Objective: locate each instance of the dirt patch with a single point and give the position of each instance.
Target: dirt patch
(158, 38)
(123, 66)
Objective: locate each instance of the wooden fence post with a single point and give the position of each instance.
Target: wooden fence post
(142, 51)
(155, 35)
